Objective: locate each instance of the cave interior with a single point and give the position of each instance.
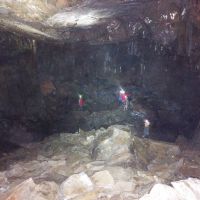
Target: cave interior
(53, 51)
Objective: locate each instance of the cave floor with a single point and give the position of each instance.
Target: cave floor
(115, 161)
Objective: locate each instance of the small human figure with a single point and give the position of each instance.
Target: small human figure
(81, 102)
(126, 102)
(146, 128)
(123, 97)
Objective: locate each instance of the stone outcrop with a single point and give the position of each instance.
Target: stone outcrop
(76, 185)
(184, 189)
(29, 190)
(149, 48)
(106, 163)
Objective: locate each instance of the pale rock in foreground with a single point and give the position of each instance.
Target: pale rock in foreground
(75, 185)
(4, 184)
(120, 173)
(28, 190)
(161, 192)
(87, 196)
(103, 179)
(124, 186)
(115, 146)
(188, 189)
(122, 167)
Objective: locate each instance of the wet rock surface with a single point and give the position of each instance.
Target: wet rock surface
(107, 163)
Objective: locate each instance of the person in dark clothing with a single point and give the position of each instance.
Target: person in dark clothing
(146, 128)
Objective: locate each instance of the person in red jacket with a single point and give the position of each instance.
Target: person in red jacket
(81, 102)
(124, 99)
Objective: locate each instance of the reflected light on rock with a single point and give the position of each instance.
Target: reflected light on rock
(87, 20)
(78, 19)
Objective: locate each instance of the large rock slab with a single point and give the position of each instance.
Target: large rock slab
(87, 196)
(4, 184)
(76, 185)
(103, 179)
(46, 169)
(147, 151)
(188, 189)
(121, 173)
(162, 192)
(28, 190)
(190, 167)
(115, 146)
(124, 186)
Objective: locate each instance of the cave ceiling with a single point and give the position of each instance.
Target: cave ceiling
(93, 20)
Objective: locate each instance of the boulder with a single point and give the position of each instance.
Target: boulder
(166, 171)
(147, 151)
(4, 184)
(144, 181)
(87, 196)
(103, 179)
(115, 146)
(121, 173)
(47, 190)
(28, 190)
(189, 169)
(62, 3)
(76, 185)
(188, 189)
(124, 186)
(38, 169)
(162, 192)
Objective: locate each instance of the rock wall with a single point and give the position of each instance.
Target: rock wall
(40, 84)
(157, 79)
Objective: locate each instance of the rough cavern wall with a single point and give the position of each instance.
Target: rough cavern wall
(40, 85)
(154, 57)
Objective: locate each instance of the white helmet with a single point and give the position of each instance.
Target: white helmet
(122, 91)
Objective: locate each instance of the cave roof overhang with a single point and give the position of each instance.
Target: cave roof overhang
(90, 20)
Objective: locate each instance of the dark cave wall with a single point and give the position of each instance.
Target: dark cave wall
(154, 56)
(39, 89)
(166, 81)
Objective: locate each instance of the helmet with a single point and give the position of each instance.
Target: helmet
(122, 91)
